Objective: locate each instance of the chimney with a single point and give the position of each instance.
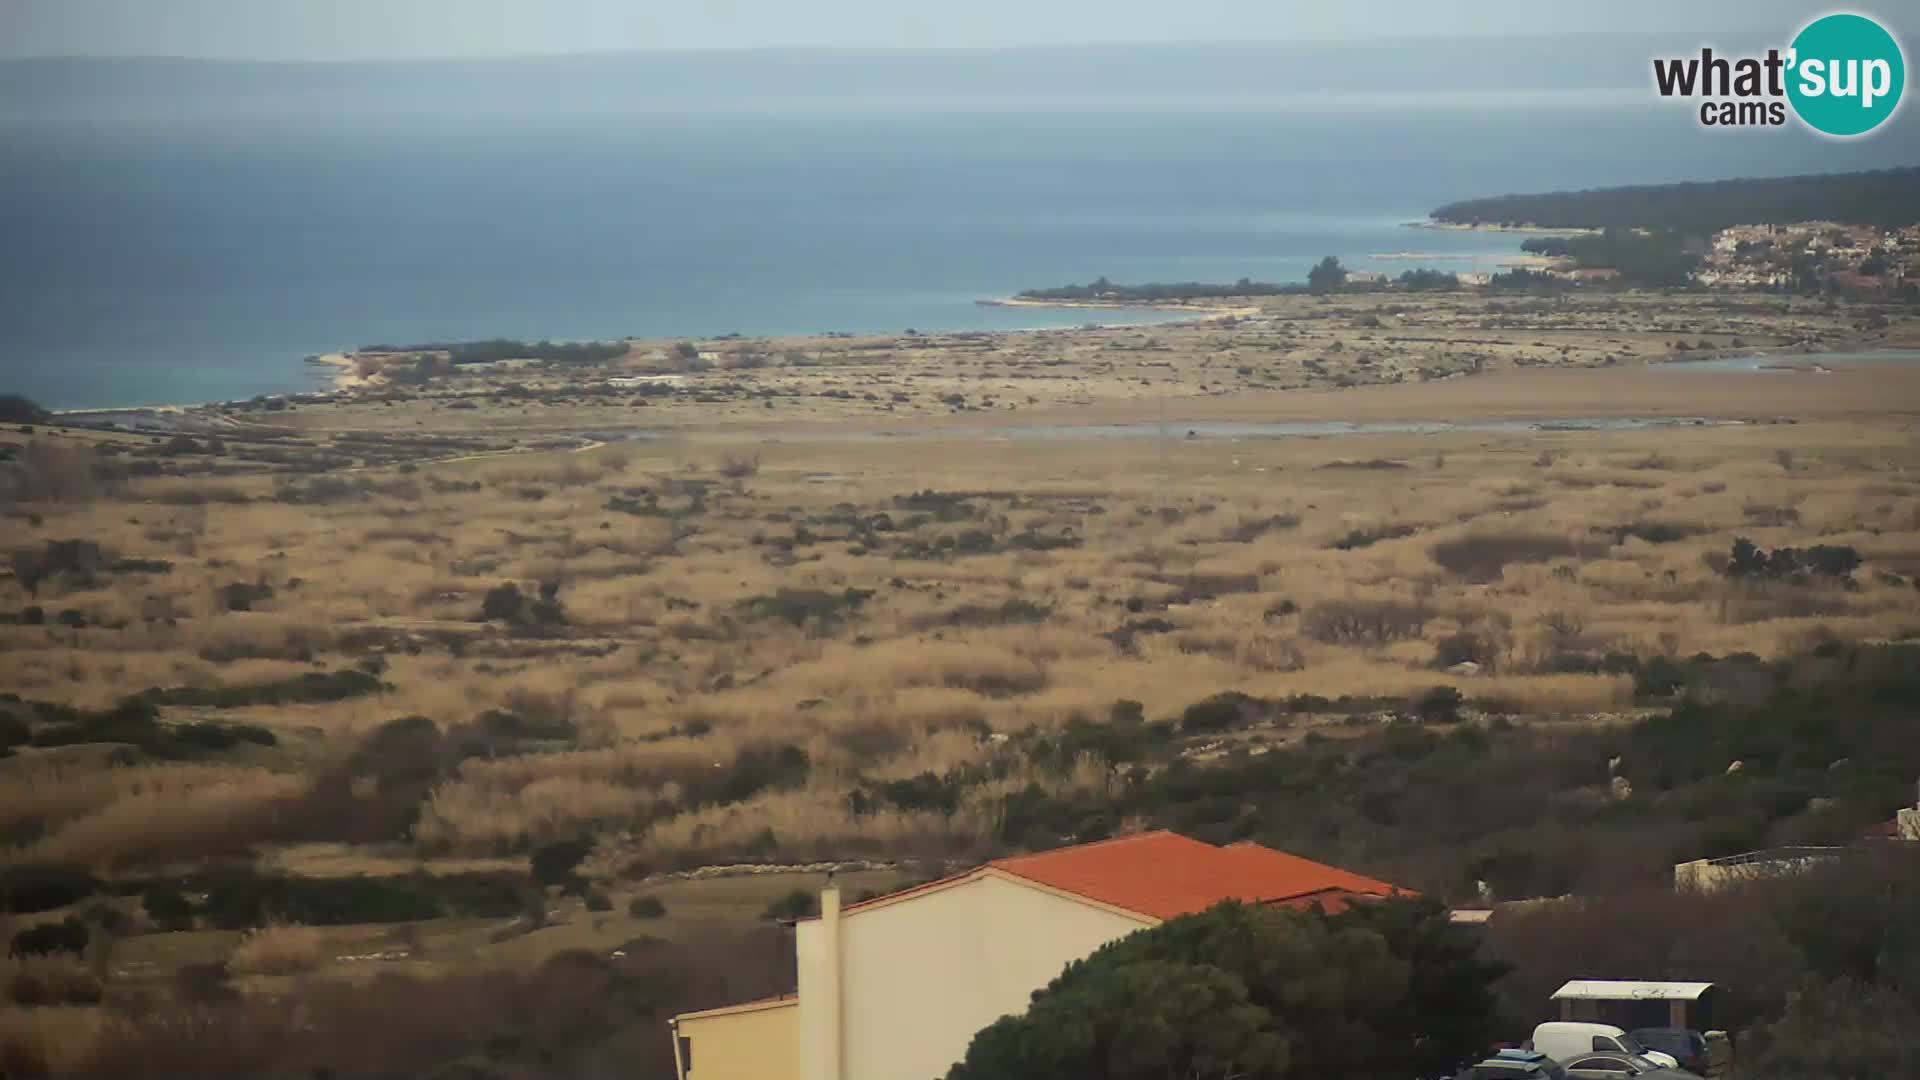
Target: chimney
(830, 1008)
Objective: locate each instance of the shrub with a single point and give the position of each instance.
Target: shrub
(598, 900)
(555, 863)
(46, 982)
(762, 768)
(35, 887)
(242, 595)
(247, 900)
(67, 935)
(16, 409)
(278, 949)
(1484, 558)
(822, 608)
(1747, 561)
(1364, 622)
(798, 904)
(1219, 712)
(646, 907)
(308, 687)
(503, 603)
(168, 907)
(1466, 647)
(1440, 705)
(1361, 538)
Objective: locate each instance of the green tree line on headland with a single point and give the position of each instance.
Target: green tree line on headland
(1102, 289)
(1659, 257)
(1882, 197)
(1326, 276)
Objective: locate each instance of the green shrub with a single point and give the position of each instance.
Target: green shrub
(67, 935)
(238, 901)
(16, 409)
(242, 595)
(168, 907)
(646, 907)
(310, 687)
(1440, 705)
(555, 863)
(798, 904)
(503, 603)
(32, 887)
(1220, 712)
(822, 608)
(598, 900)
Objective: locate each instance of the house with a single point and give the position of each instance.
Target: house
(897, 986)
(1708, 875)
(1592, 274)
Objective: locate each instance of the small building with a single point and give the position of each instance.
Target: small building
(1591, 274)
(1636, 1004)
(753, 1038)
(897, 986)
(1708, 875)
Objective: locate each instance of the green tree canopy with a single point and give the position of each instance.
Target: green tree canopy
(1383, 990)
(1327, 275)
(1840, 1030)
(16, 409)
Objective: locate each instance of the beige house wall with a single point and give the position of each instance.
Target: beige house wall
(749, 1043)
(921, 975)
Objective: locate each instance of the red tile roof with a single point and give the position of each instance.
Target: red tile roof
(1164, 874)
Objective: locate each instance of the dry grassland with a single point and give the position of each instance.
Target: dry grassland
(890, 607)
(820, 601)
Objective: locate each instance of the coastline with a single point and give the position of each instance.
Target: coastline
(347, 370)
(1203, 310)
(1461, 226)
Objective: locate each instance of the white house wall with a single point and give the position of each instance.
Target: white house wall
(920, 976)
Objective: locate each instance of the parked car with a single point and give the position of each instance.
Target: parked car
(1564, 1040)
(1517, 1065)
(1621, 1067)
(1685, 1044)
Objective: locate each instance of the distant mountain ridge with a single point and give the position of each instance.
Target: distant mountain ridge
(1886, 198)
(80, 89)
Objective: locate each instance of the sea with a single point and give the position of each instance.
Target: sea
(155, 261)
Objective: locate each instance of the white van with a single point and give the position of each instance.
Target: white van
(1564, 1040)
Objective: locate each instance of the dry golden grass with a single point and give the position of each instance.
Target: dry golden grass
(157, 825)
(474, 817)
(51, 1040)
(49, 789)
(279, 949)
(1199, 567)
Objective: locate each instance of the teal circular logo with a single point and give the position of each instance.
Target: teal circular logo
(1845, 76)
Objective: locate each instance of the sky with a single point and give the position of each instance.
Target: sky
(421, 29)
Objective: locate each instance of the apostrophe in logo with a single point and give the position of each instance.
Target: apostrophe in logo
(1846, 74)
(1842, 75)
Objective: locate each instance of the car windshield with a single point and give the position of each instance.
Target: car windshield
(1632, 1045)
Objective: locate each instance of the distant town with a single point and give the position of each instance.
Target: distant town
(1852, 258)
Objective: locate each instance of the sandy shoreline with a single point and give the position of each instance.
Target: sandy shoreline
(347, 374)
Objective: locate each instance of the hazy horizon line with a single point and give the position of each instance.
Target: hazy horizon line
(824, 49)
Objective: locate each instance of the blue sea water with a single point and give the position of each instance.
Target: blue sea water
(156, 263)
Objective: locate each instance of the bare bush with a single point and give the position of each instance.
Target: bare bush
(1364, 622)
(278, 949)
(1484, 558)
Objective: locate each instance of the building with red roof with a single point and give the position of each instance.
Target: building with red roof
(897, 986)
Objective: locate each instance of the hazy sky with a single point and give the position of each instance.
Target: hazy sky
(395, 29)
